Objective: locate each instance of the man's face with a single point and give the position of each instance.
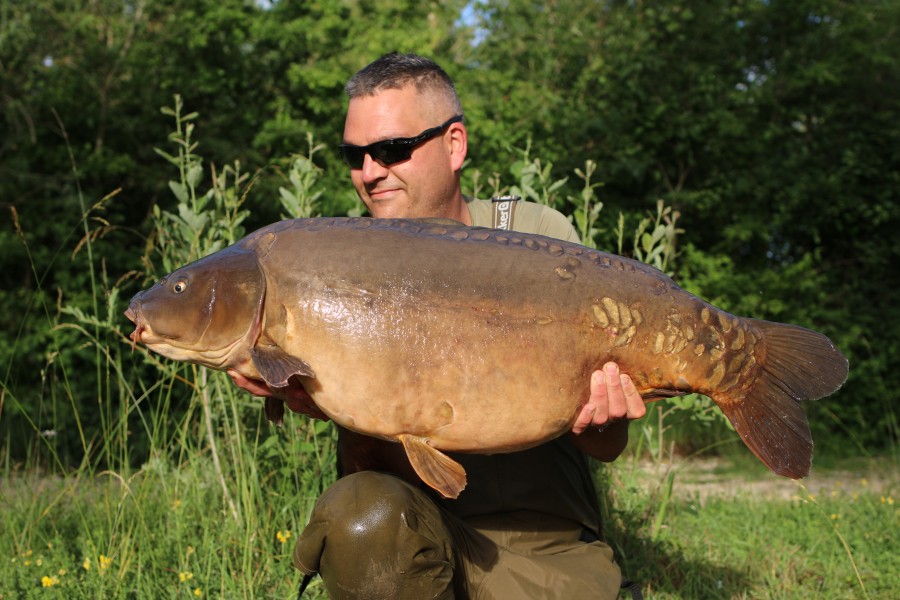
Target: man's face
(426, 185)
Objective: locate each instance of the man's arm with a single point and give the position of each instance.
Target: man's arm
(294, 396)
(605, 445)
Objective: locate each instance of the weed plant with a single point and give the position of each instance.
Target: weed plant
(183, 490)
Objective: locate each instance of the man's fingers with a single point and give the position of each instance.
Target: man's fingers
(257, 388)
(585, 418)
(636, 408)
(299, 401)
(618, 406)
(599, 398)
(308, 408)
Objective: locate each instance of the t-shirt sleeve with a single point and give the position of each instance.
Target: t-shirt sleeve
(554, 224)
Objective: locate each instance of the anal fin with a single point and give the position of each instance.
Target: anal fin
(434, 467)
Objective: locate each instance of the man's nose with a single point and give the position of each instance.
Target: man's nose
(372, 170)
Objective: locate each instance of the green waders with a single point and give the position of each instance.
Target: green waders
(374, 536)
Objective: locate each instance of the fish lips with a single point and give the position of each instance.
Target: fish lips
(135, 314)
(132, 313)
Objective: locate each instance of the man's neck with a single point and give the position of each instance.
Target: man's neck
(459, 211)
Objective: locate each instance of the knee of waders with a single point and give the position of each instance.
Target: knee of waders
(368, 513)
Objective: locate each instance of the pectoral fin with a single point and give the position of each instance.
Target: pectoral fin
(275, 411)
(276, 366)
(434, 467)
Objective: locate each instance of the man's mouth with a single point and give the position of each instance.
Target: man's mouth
(379, 193)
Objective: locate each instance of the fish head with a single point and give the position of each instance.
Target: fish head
(207, 312)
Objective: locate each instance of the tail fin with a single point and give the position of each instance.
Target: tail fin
(797, 364)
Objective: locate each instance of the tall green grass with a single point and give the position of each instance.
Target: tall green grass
(181, 488)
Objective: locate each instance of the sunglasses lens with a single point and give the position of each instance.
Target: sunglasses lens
(353, 156)
(388, 153)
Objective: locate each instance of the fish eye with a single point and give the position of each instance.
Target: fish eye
(179, 286)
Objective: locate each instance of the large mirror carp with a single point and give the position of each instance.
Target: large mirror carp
(446, 337)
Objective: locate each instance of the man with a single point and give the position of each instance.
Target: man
(527, 525)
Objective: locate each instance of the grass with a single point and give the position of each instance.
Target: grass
(166, 531)
(735, 536)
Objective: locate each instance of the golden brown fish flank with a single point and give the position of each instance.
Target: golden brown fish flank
(429, 333)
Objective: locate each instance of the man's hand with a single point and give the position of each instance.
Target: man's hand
(294, 396)
(601, 429)
(613, 397)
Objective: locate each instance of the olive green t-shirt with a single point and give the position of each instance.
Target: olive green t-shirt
(552, 478)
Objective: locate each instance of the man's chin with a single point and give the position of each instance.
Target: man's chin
(390, 205)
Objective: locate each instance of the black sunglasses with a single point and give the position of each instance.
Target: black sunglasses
(395, 150)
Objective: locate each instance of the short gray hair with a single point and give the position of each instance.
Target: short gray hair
(396, 71)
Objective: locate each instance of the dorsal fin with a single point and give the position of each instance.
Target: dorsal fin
(441, 221)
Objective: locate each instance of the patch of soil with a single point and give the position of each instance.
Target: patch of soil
(703, 478)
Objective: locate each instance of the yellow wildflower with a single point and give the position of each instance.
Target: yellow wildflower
(49, 581)
(105, 561)
(39, 562)
(283, 536)
(62, 572)
(835, 517)
(86, 565)
(198, 592)
(184, 576)
(864, 482)
(190, 550)
(176, 504)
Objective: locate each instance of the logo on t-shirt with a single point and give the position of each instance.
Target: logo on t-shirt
(504, 208)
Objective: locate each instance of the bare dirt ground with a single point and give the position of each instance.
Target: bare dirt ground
(703, 478)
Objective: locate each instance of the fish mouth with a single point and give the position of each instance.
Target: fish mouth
(139, 327)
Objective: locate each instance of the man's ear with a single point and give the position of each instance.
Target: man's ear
(458, 139)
